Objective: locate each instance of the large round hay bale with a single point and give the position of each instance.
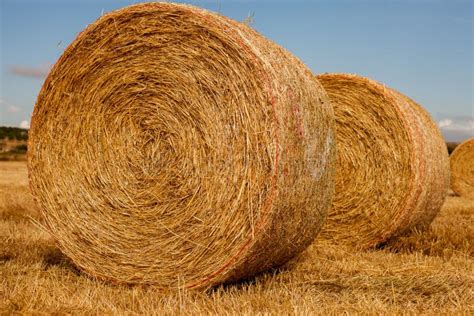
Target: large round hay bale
(462, 169)
(176, 147)
(392, 171)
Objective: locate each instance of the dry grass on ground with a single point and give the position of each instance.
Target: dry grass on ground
(428, 272)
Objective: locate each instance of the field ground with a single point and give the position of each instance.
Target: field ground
(430, 272)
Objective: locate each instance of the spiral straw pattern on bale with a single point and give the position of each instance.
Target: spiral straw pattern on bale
(392, 171)
(462, 169)
(176, 147)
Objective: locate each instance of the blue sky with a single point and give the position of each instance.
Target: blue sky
(423, 48)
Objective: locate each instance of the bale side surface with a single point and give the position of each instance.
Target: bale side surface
(462, 169)
(392, 166)
(176, 147)
(433, 162)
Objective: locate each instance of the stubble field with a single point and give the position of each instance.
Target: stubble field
(425, 272)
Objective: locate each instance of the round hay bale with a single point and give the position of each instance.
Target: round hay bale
(462, 169)
(392, 171)
(176, 147)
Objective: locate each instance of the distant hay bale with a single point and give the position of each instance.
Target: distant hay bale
(176, 147)
(462, 169)
(392, 171)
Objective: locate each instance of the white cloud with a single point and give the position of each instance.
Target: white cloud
(445, 123)
(457, 124)
(25, 124)
(457, 128)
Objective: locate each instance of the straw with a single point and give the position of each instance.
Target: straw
(176, 147)
(462, 169)
(392, 166)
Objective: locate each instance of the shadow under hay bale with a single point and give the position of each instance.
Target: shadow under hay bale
(392, 167)
(188, 149)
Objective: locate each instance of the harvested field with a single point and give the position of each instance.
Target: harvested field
(430, 272)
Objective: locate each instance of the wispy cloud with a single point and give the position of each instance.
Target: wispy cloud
(13, 109)
(457, 128)
(457, 124)
(10, 108)
(31, 72)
